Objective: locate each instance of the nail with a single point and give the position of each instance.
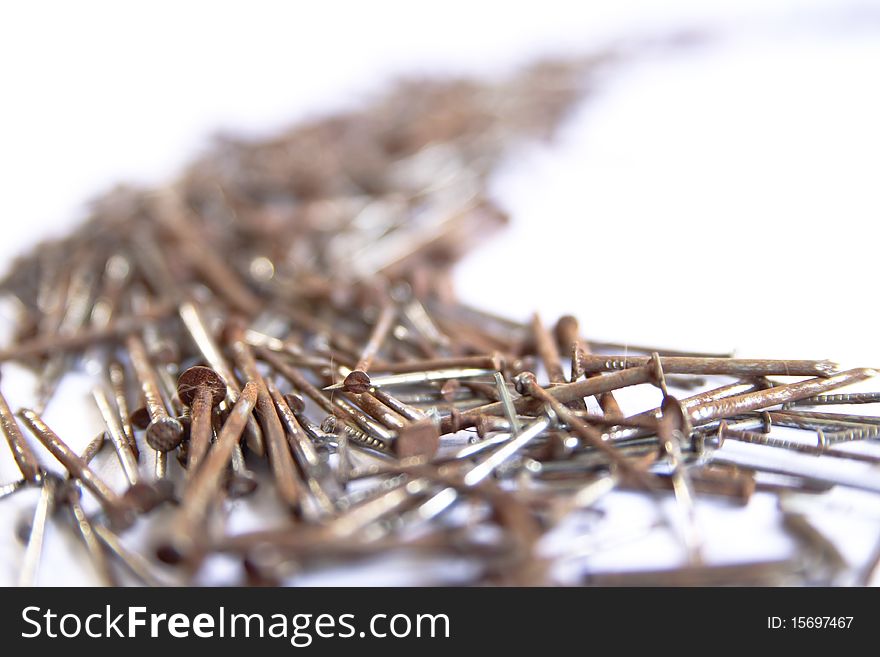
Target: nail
(115, 278)
(758, 573)
(869, 571)
(729, 483)
(189, 521)
(842, 419)
(413, 378)
(317, 474)
(136, 563)
(504, 453)
(291, 351)
(296, 378)
(313, 325)
(168, 389)
(94, 447)
(33, 552)
(89, 536)
(369, 512)
(193, 320)
(507, 404)
(120, 327)
(84, 525)
(241, 481)
(851, 435)
(729, 390)
(741, 367)
(297, 407)
(380, 444)
(487, 443)
(358, 380)
(814, 424)
(362, 421)
(78, 301)
(200, 388)
(421, 320)
(568, 337)
(116, 376)
(8, 489)
(24, 457)
(842, 398)
(830, 560)
(164, 432)
(587, 462)
(527, 384)
(117, 510)
(487, 391)
(378, 411)
(716, 410)
(117, 436)
(547, 350)
(492, 362)
(674, 428)
(400, 407)
(444, 499)
(648, 422)
(816, 473)
(180, 221)
(478, 329)
(160, 465)
(642, 349)
(419, 437)
(563, 394)
(287, 481)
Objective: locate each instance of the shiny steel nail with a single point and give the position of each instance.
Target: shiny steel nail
(504, 453)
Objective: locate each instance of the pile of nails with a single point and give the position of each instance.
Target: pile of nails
(281, 319)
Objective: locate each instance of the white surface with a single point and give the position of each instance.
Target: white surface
(719, 197)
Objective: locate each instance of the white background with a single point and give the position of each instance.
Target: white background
(720, 197)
